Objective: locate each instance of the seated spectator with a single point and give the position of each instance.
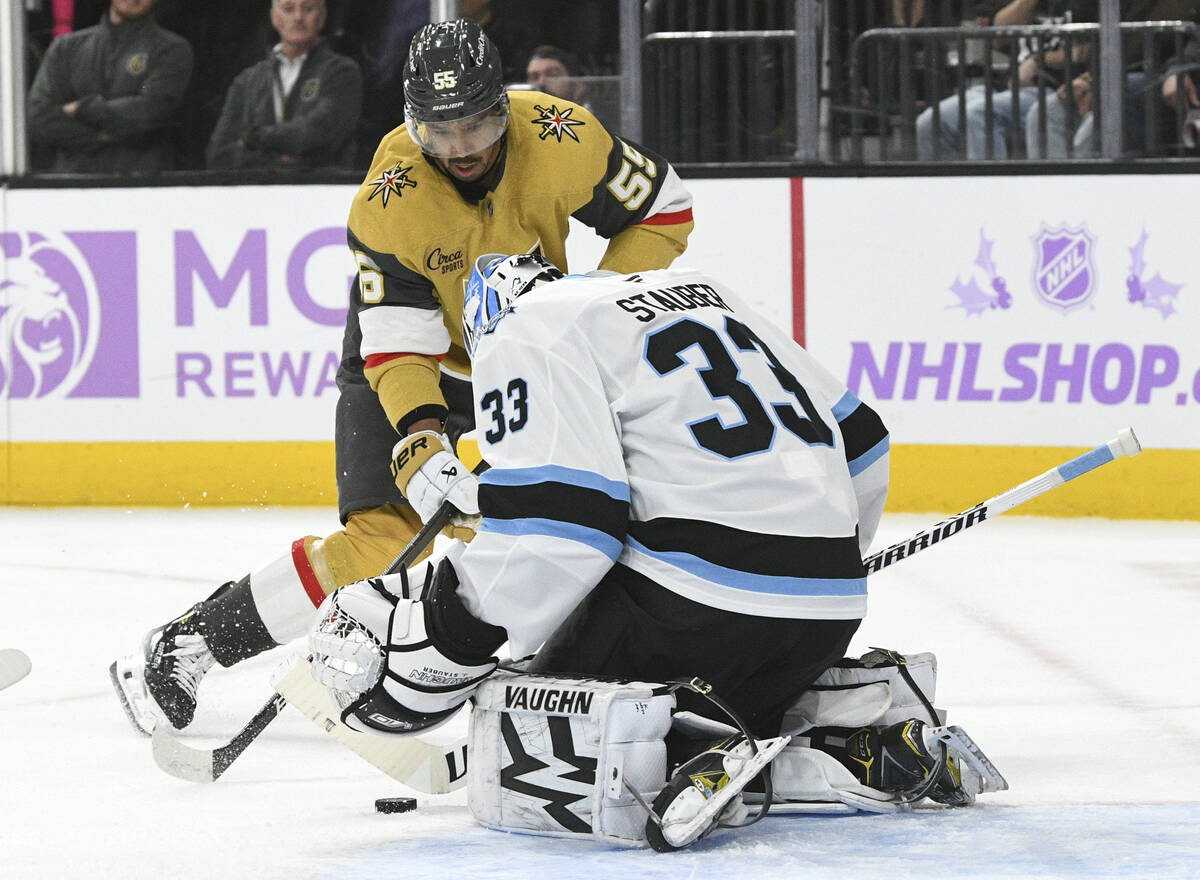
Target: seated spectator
(551, 70)
(1034, 65)
(104, 97)
(296, 109)
(1072, 131)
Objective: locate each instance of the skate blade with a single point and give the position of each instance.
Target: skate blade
(682, 833)
(125, 683)
(964, 748)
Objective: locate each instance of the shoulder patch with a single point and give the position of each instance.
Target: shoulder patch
(391, 181)
(556, 122)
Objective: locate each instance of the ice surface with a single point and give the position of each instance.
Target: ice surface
(1066, 649)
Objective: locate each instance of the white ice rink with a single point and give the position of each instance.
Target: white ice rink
(1069, 649)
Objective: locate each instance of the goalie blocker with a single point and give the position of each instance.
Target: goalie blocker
(564, 756)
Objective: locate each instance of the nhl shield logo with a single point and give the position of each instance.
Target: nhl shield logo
(1064, 274)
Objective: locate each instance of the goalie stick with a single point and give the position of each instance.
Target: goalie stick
(1125, 443)
(182, 761)
(14, 666)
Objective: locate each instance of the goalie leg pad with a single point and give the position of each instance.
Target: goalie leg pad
(871, 690)
(558, 756)
(803, 776)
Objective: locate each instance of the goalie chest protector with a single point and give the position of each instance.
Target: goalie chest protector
(556, 756)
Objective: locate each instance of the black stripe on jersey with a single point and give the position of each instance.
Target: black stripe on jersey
(560, 502)
(402, 286)
(604, 212)
(752, 552)
(862, 430)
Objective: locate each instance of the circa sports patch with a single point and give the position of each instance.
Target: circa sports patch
(391, 181)
(556, 122)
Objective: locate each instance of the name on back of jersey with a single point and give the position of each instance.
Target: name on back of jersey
(647, 306)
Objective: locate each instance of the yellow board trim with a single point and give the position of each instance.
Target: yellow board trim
(1158, 484)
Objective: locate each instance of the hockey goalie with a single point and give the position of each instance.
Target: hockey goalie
(672, 532)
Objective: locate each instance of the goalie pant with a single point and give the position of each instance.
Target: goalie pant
(631, 628)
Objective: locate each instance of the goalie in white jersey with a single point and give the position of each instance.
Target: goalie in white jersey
(676, 490)
(666, 457)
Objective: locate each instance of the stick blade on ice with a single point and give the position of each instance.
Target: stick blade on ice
(180, 760)
(14, 666)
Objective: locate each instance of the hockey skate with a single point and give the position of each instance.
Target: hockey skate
(704, 793)
(159, 683)
(912, 760)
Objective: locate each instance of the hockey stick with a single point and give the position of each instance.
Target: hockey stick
(1125, 443)
(14, 666)
(206, 765)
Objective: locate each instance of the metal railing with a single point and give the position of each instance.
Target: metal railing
(915, 76)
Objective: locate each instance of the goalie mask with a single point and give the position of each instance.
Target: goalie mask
(454, 98)
(496, 282)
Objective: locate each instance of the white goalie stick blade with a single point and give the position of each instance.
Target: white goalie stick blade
(14, 666)
(986, 776)
(424, 766)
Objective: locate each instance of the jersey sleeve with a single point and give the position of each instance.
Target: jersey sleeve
(403, 336)
(642, 207)
(555, 502)
(867, 446)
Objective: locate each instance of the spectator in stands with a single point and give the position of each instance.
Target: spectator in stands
(104, 97)
(553, 71)
(296, 109)
(1034, 64)
(1072, 132)
(1180, 94)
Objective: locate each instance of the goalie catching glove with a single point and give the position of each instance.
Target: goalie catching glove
(397, 665)
(427, 472)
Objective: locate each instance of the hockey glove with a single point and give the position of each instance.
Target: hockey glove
(398, 665)
(428, 473)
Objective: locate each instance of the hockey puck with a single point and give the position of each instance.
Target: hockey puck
(395, 805)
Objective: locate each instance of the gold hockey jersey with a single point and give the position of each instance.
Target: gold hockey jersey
(415, 236)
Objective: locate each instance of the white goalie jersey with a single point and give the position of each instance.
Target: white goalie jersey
(657, 422)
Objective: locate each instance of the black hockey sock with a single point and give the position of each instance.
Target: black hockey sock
(231, 625)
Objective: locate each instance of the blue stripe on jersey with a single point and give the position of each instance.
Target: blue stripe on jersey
(847, 404)
(553, 473)
(755, 583)
(552, 528)
(868, 458)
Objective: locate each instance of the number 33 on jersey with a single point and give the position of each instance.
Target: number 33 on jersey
(656, 420)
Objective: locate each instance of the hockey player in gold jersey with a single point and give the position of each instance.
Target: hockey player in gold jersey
(475, 169)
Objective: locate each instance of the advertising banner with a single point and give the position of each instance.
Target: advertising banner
(1005, 311)
(136, 323)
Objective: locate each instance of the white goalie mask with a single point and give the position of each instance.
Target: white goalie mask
(496, 282)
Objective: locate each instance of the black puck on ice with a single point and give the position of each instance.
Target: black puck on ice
(395, 805)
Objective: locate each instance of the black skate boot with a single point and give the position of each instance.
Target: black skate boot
(901, 759)
(159, 682)
(177, 657)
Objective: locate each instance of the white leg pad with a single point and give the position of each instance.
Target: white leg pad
(856, 695)
(556, 756)
(803, 776)
(279, 595)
